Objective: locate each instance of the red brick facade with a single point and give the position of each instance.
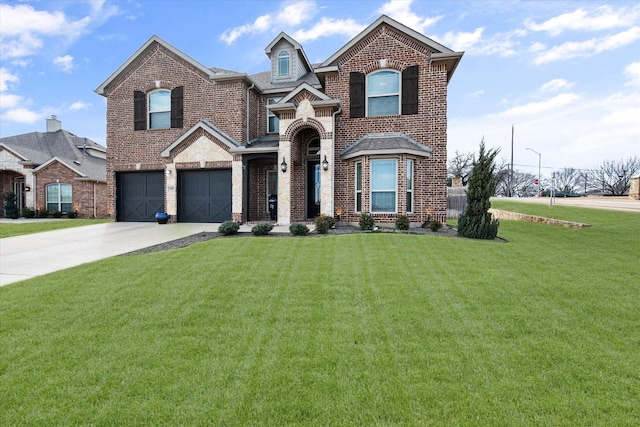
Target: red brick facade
(236, 106)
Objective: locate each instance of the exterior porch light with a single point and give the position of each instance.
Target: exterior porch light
(283, 165)
(325, 163)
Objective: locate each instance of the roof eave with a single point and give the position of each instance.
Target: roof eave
(385, 152)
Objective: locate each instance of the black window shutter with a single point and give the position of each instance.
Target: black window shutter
(410, 90)
(139, 110)
(356, 94)
(177, 106)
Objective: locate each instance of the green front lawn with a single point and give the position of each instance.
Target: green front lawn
(363, 329)
(18, 228)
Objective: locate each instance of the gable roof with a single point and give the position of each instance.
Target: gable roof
(153, 40)
(39, 148)
(297, 46)
(385, 143)
(440, 52)
(207, 127)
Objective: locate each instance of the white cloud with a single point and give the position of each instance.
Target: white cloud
(80, 105)
(462, 40)
(400, 10)
(328, 27)
(21, 115)
(589, 47)
(24, 28)
(538, 107)
(601, 18)
(8, 101)
(65, 63)
(556, 85)
(633, 71)
(292, 13)
(5, 78)
(21, 62)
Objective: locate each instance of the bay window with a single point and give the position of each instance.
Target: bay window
(383, 183)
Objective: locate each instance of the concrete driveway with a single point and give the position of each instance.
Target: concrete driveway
(24, 257)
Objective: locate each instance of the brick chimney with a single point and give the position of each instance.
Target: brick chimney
(53, 124)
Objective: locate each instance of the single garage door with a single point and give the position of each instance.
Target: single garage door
(139, 195)
(204, 195)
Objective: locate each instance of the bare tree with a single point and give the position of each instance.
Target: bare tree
(567, 180)
(460, 166)
(613, 178)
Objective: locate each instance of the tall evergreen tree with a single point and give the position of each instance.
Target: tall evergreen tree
(475, 222)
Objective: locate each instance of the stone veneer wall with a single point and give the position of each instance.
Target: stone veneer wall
(634, 190)
(499, 214)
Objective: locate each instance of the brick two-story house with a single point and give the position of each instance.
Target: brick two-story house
(364, 131)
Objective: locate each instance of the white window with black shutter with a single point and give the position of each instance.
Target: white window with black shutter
(160, 109)
(384, 93)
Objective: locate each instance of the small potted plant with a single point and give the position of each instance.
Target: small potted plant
(162, 217)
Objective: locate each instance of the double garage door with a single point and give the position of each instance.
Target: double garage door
(203, 196)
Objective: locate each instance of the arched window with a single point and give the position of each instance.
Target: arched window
(383, 93)
(59, 198)
(283, 64)
(160, 109)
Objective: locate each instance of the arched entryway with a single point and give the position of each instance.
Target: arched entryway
(306, 175)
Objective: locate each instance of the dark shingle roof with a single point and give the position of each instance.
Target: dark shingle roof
(263, 81)
(385, 143)
(39, 147)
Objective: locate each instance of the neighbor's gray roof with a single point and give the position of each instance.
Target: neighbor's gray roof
(38, 148)
(385, 143)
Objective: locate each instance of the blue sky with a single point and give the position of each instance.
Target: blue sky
(565, 74)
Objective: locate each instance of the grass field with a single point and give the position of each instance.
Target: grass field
(18, 228)
(362, 329)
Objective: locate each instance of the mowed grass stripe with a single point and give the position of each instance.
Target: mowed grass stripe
(373, 329)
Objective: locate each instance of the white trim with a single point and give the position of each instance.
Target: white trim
(398, 94)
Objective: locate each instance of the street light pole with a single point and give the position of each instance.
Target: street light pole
(539, 166)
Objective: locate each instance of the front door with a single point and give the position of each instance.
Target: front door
(313, 189)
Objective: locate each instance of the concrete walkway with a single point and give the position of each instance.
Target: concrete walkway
(32, 255)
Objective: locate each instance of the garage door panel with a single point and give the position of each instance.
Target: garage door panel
(204, 196)
(139, 195)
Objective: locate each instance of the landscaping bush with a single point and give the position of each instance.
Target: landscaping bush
(11, 205)
(28, 213)
(435, 225)
(261, 229)
(323, 223)
(72, 214)
(365, 221)
(298, 229)
(476, 222)
(402, 222)
(43, 213)
(56, 214)
(229, 228)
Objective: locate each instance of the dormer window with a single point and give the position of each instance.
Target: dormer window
(284, 64)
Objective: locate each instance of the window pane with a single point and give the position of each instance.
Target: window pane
(274, 124)
(383, 175)
(51, 207)
(160, 120)
(53, 195)
(65, 207)
(383, 82)
(283, 64)
(160, 101)
(65, 193)
(358, 202)
(409, 202)
(383, 106)
(358, 176)
(409, 174)
(383, 201)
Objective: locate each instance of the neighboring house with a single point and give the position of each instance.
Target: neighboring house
(364, 131)
(56, 170)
